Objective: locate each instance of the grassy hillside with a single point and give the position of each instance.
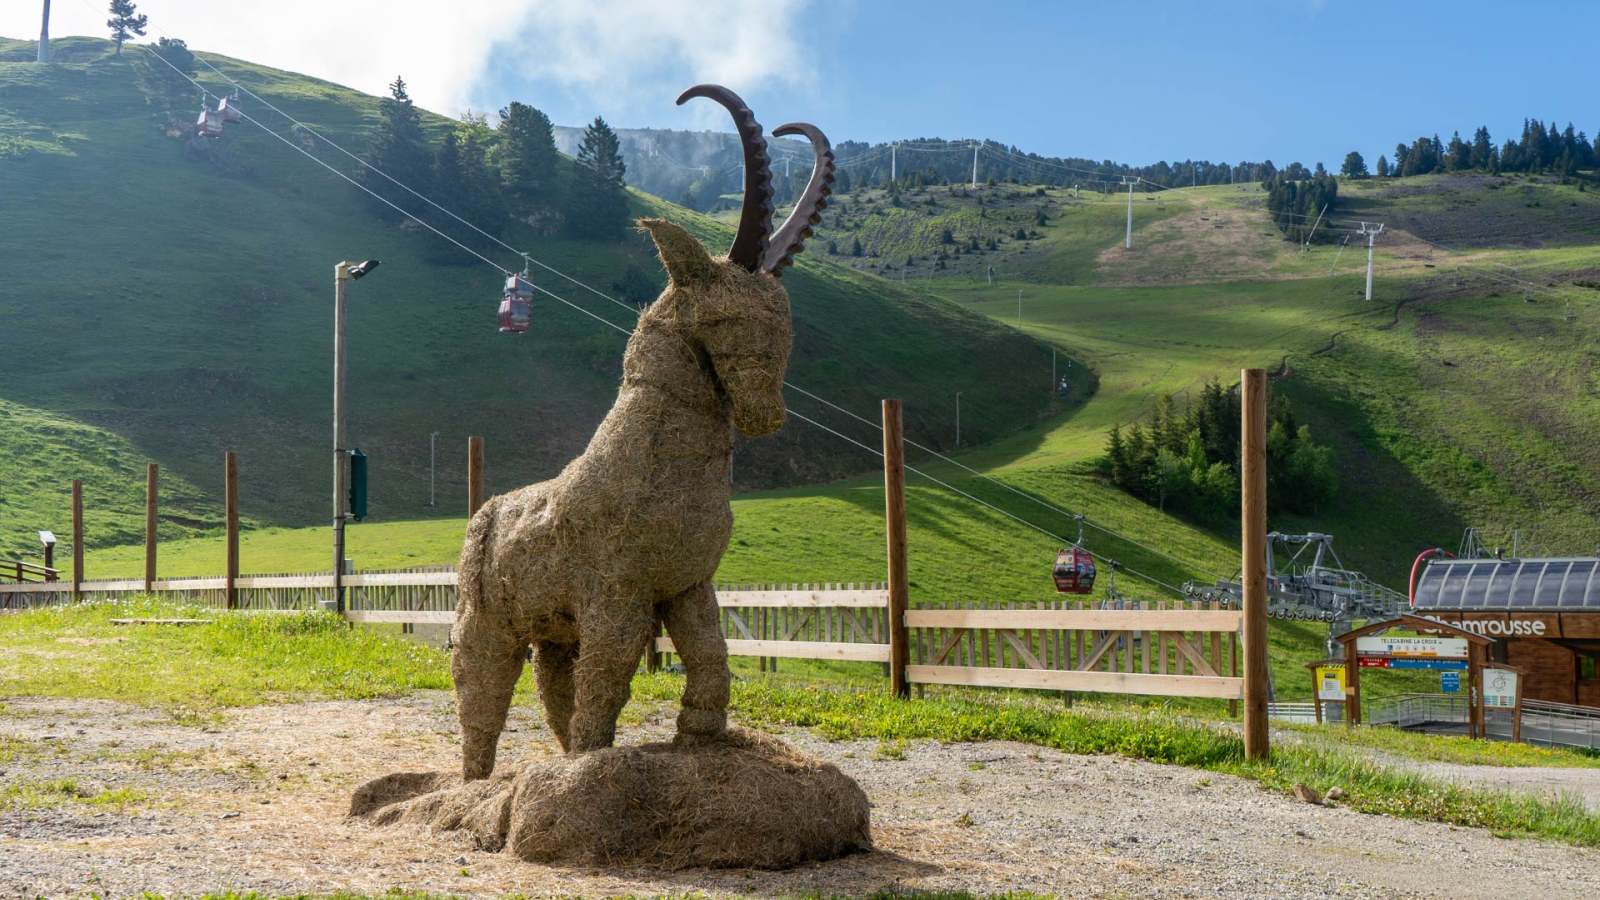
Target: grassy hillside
(180, 304)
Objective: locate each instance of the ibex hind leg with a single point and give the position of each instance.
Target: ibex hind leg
(695, 626)
(608, 656)
(486, 663)
(552, 667)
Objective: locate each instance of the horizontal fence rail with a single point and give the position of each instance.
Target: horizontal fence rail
(1163, 649)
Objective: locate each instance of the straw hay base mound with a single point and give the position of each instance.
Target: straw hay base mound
(742, 800)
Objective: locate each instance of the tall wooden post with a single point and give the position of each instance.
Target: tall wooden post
(474, 475)
(1476, 721)
(1253, 443)
(77, 539)
(231, 480)
(894, 493)
(1352, 684)
(152, 478)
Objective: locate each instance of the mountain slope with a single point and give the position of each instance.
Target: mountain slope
(181, 302)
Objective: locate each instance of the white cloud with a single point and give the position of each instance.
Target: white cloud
(624, 55)
(607, 55)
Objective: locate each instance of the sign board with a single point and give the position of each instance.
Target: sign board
(1413, 647)
(1330, 682)
(1450, 682)
(1380, 662)
(1499, 688)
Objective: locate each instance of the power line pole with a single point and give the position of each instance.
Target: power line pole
(894, 162)
(1130, 182)
(1019, 307)
(975, 165)
(432, 443)
(1371, 230)
(44, 35)
(958, 418)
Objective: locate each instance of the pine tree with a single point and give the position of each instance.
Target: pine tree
(527, 157)
(1482, 153)
(126, 21)
(598, 206)
(399, 150)
(176, 53)
(1383, 167)
(1354, 166)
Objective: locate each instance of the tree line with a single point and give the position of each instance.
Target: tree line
(1187, 461)
(1296, 204)
(489, 174)
(1541, 149)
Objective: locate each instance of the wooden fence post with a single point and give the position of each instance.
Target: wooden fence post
(151, 481)
(77, 539)
(231, 497)
(894, 491)
(474, 475)
(1253, 441)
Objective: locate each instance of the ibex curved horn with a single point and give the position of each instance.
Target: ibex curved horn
(791, 237)
(755, 221)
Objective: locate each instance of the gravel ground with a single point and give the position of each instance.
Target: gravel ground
(256, 803)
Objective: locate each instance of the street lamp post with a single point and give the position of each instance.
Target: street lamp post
(958, 419)
(343, 274)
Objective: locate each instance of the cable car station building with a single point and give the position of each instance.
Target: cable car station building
(1544, 615)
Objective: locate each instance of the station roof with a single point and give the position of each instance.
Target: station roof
(1553, 584)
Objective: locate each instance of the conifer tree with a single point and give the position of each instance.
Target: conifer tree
(527, 157)
(598, 206)
(126, 21)
(398, 149)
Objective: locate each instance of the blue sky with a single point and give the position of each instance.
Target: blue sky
(1131, 81)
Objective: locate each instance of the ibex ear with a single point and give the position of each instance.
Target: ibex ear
(686, 259)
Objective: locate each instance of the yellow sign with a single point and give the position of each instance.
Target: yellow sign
(1330, 682)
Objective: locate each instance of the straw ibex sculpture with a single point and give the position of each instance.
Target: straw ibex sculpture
(629, 535)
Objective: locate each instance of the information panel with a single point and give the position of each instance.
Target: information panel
(1330, 682)
(1499, 688)
(1413, 647)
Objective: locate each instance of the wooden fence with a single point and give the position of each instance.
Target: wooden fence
(1178, 649)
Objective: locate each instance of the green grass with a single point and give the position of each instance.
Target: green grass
(1446, 748)
(193, 671)
(63, 791)
(196, 673)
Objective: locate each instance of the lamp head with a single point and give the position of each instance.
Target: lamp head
(358, 271)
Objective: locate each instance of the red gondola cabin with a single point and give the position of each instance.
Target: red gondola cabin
(229, 108)
(209, 123)
(1074, 571)
(516, 305)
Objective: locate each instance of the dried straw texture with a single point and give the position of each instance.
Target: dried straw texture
(584, 566)
(740, 800)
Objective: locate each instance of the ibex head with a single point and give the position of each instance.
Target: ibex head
(733, 307)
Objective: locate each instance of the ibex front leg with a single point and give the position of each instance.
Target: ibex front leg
(695, 627)
(609, 650)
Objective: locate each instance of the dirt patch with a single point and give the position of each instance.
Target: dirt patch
(259, 804)
(1201, 245)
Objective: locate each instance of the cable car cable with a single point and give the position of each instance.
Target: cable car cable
(629, 332)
